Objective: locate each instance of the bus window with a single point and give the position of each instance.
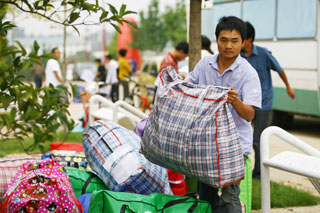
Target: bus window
(226, 9)
(207, 23)
(261, 14)
(296, 19)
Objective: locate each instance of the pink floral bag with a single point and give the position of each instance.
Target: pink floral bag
(40, 187)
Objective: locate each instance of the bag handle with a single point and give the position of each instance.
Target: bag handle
(170, 72)
(182, 200)
(124, 207)
(84, 188)
(201, 98)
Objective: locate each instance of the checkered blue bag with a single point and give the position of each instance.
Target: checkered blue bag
(191, 131)
(113, 153)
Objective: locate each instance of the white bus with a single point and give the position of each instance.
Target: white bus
(290, 29)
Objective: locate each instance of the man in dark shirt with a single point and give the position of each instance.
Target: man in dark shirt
(101, 73)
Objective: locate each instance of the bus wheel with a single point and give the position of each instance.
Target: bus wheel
(281, 119)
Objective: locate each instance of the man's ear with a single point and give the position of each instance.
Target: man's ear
(244, 44)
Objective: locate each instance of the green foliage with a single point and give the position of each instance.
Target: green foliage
(156, 29)
(74, 10)
(151, 34)
(25, 110)
(175, 22)
(113, 46)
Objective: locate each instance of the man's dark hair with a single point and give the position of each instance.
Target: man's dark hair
(231, 23)
(184, 46)
(109, 56)
(123, 52)
(98, 60)
(206, 44)
(54, 49)
(250, 31)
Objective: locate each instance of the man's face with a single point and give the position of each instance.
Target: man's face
(246, 43)
(57, 53)
(181, 55)
(229, 44)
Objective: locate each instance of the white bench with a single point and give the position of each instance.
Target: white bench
(118, 112)
(307, 165)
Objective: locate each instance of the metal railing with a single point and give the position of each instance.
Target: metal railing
(293, 162)
(118, 108)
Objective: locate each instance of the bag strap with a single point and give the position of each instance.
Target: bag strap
(124, 207)
(182, 200)
(171, 73)
(84, 188)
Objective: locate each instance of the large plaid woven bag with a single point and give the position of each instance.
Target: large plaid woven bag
(191, 131)
(113, 153)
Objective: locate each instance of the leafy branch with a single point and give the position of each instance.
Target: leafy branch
(49, 9)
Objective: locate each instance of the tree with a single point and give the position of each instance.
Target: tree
(25, 110)
(113, 46)
(195, 33)
(175, 21)
(151, 34)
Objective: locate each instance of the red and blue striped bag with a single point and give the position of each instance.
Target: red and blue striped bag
(191, 131)
(113, 153)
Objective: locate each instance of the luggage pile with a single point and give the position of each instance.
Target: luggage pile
(107, 173)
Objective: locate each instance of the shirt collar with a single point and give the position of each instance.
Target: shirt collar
(254, 50)
(214, 63)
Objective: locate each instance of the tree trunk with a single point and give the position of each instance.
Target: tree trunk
(194, 33)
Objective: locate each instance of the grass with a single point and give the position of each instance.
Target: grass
(281, 195)
(13, 146)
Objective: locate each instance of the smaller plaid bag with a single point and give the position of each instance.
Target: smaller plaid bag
(191, 131)
(113, 154)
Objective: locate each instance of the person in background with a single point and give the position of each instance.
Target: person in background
(101, 72)
(53, 70)
(38, 73)
(205, 46)
(112, 77)
(124, 72)
(172, 58)
(229, 69)
(263, 61)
